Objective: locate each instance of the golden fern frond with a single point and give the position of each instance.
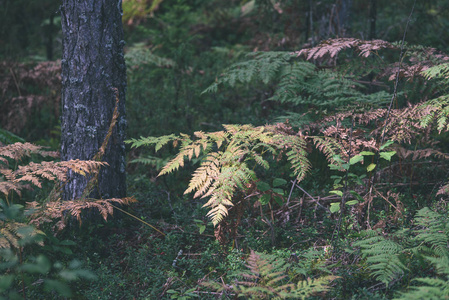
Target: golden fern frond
(59, 210)
(19, 150)
(223, 189)
(53, 171)
(205, 175)
(13, 234)
(188, 150)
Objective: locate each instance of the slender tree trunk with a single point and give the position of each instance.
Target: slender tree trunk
(92, 67)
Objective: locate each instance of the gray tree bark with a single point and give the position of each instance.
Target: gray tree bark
(93, 66)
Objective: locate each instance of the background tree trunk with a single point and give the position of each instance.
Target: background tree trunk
(92, 66)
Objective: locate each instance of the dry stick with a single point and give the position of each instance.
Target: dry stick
(133, 216)
(316, 201)
(15, 81)
(291, 191)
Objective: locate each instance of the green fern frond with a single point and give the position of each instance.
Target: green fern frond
(440, 72)
(330, 147)
(159, 142)
(433, 288)
(262, 66)
(383, 257)
(265, 280)
(306, 288)
(435, 230)
(139, 54)
(297, 155)
(268, 279)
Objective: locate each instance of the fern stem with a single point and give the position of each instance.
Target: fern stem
(140, 220)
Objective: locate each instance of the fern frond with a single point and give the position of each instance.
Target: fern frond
(333, 47)
(440, 72)
(262, 66)
(18, 151)
(159, 142)
(264, 280)
(222, 190)
(59, 210)
(16, 234)
(330, 147)
(268, 279)
(383, 257)
(435, 231)
(138, 55)
(297, 155)
(205, 175)
(306, 288)
(433, 288)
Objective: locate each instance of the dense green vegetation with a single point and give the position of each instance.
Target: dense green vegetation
(277, 149)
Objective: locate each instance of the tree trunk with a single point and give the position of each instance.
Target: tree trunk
(92, 67)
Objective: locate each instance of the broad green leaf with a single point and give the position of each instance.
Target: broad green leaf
(5, 282)
(388, 143)
(370, 167)
(335, 207)
(278, 191)
(387, 155)
(355, 159)
(339, 193)
(352, 202)
(278, 182)
(202, 228)
(263, 186)
(278, 200)
(364, 153)
(355, 194)
(56, 285)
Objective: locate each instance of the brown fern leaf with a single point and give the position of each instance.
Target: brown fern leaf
(332, 47)
(59, 210)
(12, 232)
(19, 150)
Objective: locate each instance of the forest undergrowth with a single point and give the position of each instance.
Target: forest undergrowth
(312, 174)
(350, 204)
